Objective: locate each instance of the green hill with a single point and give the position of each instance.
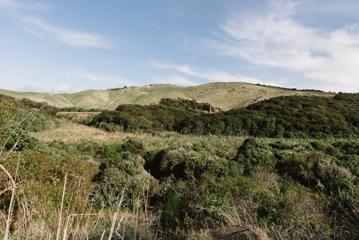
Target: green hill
(221, 95)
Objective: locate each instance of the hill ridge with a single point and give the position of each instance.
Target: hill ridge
(223, 95)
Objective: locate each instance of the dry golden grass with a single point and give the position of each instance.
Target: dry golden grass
(77, 116)
(240, 222)
(87, 224)
(25, 218)
(70, 132)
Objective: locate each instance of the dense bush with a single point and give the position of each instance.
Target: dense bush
(190, 164)
(299, 116)
(137, 117)
(291, 116)
(284, 183)
(187, 104)
(352, 98)
(18, 139)
(25, 115)
(252, 154)
(27, 103)
(122, 175)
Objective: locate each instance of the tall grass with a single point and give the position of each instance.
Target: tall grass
(118, 223)
(24, 218)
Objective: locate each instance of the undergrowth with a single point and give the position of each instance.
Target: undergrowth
(172, 186)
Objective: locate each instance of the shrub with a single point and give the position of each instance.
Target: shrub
(178, 163)
(187, 104)
(123, 175)
(252, 154)
(18, 139)
(290, 116)
(317, 170)
(121, 172)
(190, 164)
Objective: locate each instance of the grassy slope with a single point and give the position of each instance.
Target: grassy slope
(223, 95)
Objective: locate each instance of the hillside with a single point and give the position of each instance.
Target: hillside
(78, 182)
(221, 95)
(285, 116)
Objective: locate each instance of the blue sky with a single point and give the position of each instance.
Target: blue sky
(67, 45)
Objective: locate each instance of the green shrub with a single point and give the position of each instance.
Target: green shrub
(18, 139)
(290, 116)
(178, 163)
(193, 204)
(317, 170)
(252, 154)
(137, 117)
(187, 104)
(133, 147)
(190, 164)
(123, 175)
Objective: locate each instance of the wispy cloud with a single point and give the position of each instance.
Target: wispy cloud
(204, 74)
(173, 78)
(9, 4)
(69, 37)
(275, 38)
(103, 78)
(15, 5)
(62, 88)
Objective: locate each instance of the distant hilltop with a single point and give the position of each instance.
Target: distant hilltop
(224, 96)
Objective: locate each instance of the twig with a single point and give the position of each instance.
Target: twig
(2, 168)
(62, 206)
(116, 215)
(12, 201)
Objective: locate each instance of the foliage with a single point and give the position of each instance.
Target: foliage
(43, 106)
(137, 117)
(252, 154)
(289, 188)
(18, 139)
(351, 98)
(299, 116)
(187, 104)
(292, 116)
(122, 175)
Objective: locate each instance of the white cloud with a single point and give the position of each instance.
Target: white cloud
(209, 75)
(11, 4)
(39, 28)
(173, 79)
(84, 75)
(69, 37)
(275, 38)
(14, 5)
(31, 88)
(62, 88)
(176, 67)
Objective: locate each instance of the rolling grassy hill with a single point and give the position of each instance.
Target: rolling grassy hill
(222, 95)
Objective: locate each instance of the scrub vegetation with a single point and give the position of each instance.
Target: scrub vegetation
(291, 116)
(283, 168)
